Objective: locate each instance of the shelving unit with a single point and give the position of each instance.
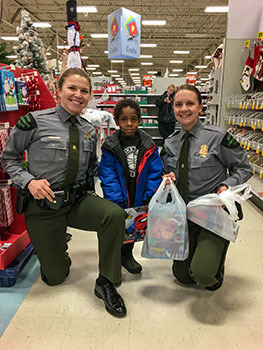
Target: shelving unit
(149, 122)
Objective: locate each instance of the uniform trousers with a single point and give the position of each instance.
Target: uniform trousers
(205, 263)
(47, 231)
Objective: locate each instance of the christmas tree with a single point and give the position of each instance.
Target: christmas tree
(29, 49)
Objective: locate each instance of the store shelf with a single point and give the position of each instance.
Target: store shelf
(257, 191)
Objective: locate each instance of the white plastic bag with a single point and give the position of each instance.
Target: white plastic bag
(206, 211)
(167, 230)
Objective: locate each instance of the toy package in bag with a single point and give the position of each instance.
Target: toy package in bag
(167, 230)
(136, 224)
(206, 211)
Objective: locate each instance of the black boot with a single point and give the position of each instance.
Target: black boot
(127, 259)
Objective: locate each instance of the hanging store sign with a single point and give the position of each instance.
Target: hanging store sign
(124, 29)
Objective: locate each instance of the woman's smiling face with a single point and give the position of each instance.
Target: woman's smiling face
(187, 108)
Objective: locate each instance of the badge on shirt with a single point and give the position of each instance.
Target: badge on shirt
(203, 152)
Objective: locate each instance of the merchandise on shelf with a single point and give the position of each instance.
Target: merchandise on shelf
(8, 98)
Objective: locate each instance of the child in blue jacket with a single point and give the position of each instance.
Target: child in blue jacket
(130, 169)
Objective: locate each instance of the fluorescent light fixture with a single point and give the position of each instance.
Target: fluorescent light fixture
(134, 69)
(200, 66)
(216, 9)
(90, 68)
(156, 22)
(208, 57)
(173, 75)
(176, 61)
(146, 63)
(182, 52)
(10, 38)
(48, 54)
(152, 72)
(148, 45)
(198, 81)
(84, 57)
(86, 9)
(112, 71)
(42, 24)
(106, 51)
(63, 47)
(97, 73)
(177, 70)
(134, 73)
(115, 75)
(11, 56)
(93, 65)
(146, 56)
(194, 35)
(191, 73)
(99, 35)
(117, 61)
(204, 79)
(118, 78)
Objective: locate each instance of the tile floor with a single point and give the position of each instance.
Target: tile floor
(161, 314)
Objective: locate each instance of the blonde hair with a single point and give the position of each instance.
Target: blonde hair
(171, 85)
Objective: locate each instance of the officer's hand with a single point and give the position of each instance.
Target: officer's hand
(40, 189)
(171, 175)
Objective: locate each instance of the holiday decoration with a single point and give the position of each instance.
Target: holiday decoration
(258, 62)
(246, 74)
(29, 49)
(73, 28)
(8, 100)
(6, 210)
(22, 93)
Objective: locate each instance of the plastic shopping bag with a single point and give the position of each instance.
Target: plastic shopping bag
(167, 230)
(206, 211)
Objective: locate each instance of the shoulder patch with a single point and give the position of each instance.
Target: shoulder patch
(229, 141)
(26, 122)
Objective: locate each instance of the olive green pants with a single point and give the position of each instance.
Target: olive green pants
(205, 263)
(47, 231)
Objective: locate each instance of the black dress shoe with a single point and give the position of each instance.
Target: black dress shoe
(114, 303)
(131, 264)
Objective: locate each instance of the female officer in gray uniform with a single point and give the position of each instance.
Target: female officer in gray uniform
(213, 161)
(61, 150)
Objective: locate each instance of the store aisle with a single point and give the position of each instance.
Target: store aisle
(161, 314)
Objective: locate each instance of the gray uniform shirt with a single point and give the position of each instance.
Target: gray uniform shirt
(212, 160)
(47, 146)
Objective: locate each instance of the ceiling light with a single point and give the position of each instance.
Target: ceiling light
(182, 52)
(84, 57)
(86, 9)
(116, 75)
(134, 69)
(11, 56)
(146, 63)
(204, 78)
(200, 66)
(119, 78)
(191, 73)
(10, 38)
(99, 36)
(48, 54)
(146, 56)
(106, 51)
(42, 24)
(216, 9)
(148, 45)
(152, 72)
(97, 73)
(63, 47)
(154, 22)
(117, 61)
(174, 75)
(134, 73)
(208, 57)
(93, 65)
(198, 81)
(90, 68)
(112, 71)
(177, 70)
(194, 35)
(176, 61)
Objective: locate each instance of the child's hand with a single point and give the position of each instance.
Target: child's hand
(172, 177)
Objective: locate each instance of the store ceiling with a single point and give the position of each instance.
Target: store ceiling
(188, 27)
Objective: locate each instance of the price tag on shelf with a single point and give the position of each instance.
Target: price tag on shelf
(257, 150)
(240, 105)
(228, 106)
(257, 105)
(261, 175)
(253, 104)
(258, 123)
(247, 42)
(242, 143)
(260, 35)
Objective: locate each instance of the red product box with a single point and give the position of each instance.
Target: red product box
(18, 243)
(18, 226)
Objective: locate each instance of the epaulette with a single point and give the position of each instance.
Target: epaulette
(26, 122)
(229, 141)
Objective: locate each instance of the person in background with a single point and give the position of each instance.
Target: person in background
(61, 147)
(130, 169)
(212, 161)
(166, 119)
